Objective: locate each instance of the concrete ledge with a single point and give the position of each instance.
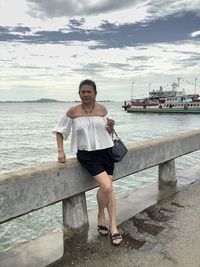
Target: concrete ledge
(32, 188)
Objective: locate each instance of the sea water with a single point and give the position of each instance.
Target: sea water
(26, 140)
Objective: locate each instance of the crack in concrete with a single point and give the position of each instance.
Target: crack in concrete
(177, 204)
(168, 257)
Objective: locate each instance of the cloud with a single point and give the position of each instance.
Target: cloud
(195, 34)
(160, 8)
(70, 8)
(104, 68)
(14, 33)
(192, 60)
(90, 69)
(76, 23)
(85, 8)
(21, 29)
(109, 35)
(113, 42)
(138, 58)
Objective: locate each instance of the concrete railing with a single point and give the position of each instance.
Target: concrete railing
(29, 189)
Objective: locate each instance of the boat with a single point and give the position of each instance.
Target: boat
(163, 101)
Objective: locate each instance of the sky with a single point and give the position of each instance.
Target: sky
(47, 47)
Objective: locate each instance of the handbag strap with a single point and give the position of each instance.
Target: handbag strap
(114, 132)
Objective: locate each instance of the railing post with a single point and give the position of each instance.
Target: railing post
(75, 216)
(167, 173)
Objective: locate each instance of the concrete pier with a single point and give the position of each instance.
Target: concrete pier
(29, 189)
(33, 188)
(163, 232)
(167, 173)
(75, 215)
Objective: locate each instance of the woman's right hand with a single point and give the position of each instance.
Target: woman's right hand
(61, 156)
(110, 125)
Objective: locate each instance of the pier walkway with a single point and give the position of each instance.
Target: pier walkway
(164, 235)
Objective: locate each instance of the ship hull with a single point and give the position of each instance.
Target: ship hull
(163, 111)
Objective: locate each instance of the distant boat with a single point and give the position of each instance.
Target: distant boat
(161, 101)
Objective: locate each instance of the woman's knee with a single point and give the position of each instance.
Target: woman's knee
(107, 188)
(105, 182)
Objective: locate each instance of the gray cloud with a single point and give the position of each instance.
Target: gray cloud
(160, 8)
(192, 61)
(120, 66)
(21, 29)
(13, 33)
(70, 8)
(29, 67)
(136, 58)
(76, 23)
(191, 53)
(5, 60)
(128, 67)
(90, 69)
(98, 69)
(4, 29)
(142, 67)
(169, 29)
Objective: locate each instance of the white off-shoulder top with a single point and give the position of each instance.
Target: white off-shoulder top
(88, 133)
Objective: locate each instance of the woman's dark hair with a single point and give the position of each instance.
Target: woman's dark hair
(88, 82)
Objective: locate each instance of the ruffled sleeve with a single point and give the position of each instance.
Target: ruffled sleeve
(63, 127)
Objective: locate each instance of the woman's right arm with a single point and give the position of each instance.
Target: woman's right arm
(62, 130)
(61, 153)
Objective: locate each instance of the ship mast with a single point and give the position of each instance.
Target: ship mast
(195, 86)
(178, 82)
(149, 87)
(132, 91)
(174, 86)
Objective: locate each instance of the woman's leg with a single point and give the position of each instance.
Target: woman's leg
(106, 199)
(111, 207)
(105, 187)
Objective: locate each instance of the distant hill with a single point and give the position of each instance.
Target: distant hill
(47, 100)
(43, 100)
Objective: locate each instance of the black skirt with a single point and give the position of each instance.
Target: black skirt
(96, 161)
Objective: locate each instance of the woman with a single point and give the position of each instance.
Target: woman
(91, 138)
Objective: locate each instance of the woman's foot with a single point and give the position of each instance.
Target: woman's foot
(102, 228)
(116, 239)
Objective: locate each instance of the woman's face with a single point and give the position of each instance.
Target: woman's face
(87, 94)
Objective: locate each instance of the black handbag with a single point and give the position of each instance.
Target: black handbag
(119, 150)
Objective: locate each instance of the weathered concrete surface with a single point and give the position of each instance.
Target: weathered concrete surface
(163, 235)
(29, 189)
(75, 213)
(167, 172)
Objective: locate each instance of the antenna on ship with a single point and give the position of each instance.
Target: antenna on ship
(132, 91)
(174, 86)
(178, 82)
(195, 85)
(149, 87)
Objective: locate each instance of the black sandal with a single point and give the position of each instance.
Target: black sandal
(103, 230)
(114, 237)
